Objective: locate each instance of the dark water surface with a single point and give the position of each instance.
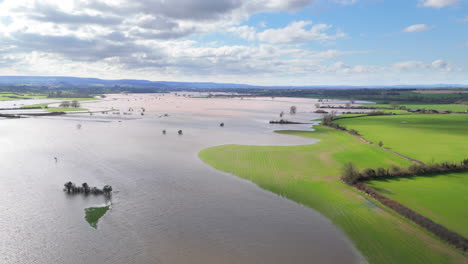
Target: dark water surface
(167, 206)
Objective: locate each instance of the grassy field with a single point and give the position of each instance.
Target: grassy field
(442, 198)
(429, 138)
(7, 96)
(53, 109)
(93, 214)
(438, 107)
(64, 109)
(309, 174)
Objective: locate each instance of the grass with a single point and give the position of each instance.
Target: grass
(442, 198)
(309, 174)
(7, 96)
(64, 109)
(438, 107)
(429, 138)
(53, 109)
(93, 214)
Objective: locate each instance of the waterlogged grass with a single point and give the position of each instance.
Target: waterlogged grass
(8, 96)
(429, 138)
(309, 174)
(64, 109)
(93, 214)
(438, 107)
(442, 198)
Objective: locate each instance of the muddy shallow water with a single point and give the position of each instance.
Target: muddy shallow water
(167, 206)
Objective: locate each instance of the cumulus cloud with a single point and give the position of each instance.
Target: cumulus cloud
(437, 3)
(297, 32)
(345, 2)
(440, 65)
(416, 28)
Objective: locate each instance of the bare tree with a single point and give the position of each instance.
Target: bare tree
(293, 110)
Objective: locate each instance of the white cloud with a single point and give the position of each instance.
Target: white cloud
(437, 3)
(345, 2)
(299, 31)
(416, 28)
(439, 65)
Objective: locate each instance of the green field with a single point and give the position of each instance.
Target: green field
(64, 109)
(53, 109)
(93, 214)
(429, 138)
(438, 107)
(442, 198)
(7, 96)
(309, 174)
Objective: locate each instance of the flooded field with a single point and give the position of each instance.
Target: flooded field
(167, 205)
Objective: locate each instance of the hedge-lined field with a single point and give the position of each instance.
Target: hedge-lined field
(441, 198)
(429, 138)
(309, 174)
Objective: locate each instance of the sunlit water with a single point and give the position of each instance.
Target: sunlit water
(167, 205)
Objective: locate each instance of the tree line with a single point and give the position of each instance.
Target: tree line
(352, 175)
(355, 178)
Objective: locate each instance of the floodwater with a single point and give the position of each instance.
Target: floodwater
(167, 205)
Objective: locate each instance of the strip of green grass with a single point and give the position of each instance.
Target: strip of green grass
(429, 138)
(438, 107)
(64, 109)
(93, 214)
(442, 198)
(309, 174)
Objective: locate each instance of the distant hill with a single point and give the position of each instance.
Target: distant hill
(76, 82)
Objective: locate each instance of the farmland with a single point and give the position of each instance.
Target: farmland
(429, 138)
(442, 198)
(309, 174)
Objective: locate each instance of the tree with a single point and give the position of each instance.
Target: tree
(328, 118)
(350, 173)
(380, 143)
(292, 110)
(107, 189)
(65, 104)
(85, 187)
(68, 186)
(75, 104)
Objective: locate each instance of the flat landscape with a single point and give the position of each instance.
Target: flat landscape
(443, 198)
(428, 138)
(310, 174)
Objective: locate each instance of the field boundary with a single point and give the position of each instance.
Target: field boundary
(372, 143)
(447, 235)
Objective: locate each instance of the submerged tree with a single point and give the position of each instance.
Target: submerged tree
(292, 110)
(68, 186)
(107, 189)
(85, 187)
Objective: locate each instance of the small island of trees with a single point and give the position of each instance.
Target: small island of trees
(72, 188)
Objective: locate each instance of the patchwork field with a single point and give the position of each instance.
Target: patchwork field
(429, 138)
(309, 174)
(438, 107)
(442, 198)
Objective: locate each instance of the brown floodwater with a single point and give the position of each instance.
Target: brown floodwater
(167, 205)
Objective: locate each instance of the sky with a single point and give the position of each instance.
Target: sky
(262, 42)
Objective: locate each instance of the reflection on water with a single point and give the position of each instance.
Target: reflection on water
(167, 205)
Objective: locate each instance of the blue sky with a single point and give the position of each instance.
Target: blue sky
(273, 42)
